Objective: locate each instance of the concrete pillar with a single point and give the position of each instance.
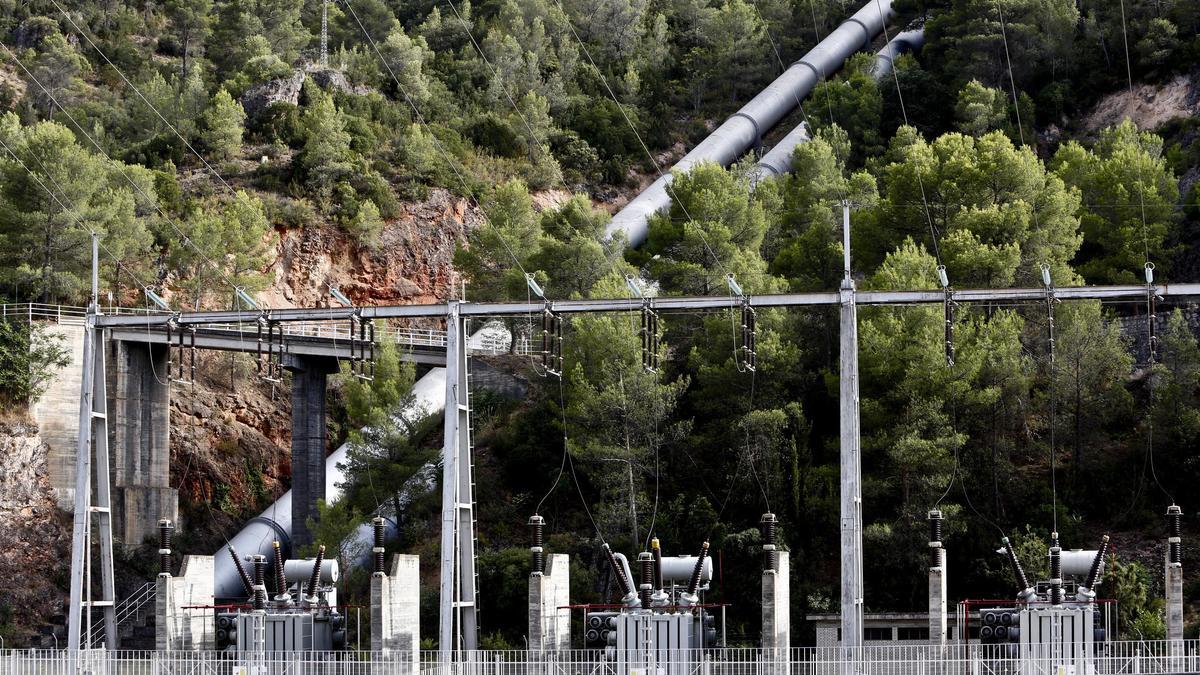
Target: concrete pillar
(776, 609)
(309, 379)
(178, 629)
(1174, 601)
(549, 592)
(937, 602)
(140, 393)
(395, 610)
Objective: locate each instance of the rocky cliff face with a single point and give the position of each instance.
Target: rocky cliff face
(411, 264)
(230, 455)
(34, 536)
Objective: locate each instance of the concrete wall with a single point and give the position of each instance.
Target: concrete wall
(396, 608)
(549, 625)
(57, 415)
(827, 627)
(179, 629)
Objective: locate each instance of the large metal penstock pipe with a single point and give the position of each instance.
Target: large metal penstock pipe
(746, 127)
(428, 398)
(778, 160)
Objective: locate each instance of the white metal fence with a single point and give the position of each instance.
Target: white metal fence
(1115, 658)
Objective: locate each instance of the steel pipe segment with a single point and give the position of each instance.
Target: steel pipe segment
(778, 160)
(741, 131)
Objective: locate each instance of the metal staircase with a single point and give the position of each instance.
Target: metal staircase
(129, 611)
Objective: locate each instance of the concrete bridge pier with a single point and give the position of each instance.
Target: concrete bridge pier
(310, 375)
(139, 392)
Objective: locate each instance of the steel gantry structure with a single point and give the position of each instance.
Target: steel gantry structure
(458, 608)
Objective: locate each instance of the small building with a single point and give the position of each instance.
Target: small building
(882, 628)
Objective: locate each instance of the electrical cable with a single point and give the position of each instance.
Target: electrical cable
(667, 185)
(1141, 188)
(436, 141)
(131, 85)
(933, 234)
(74, 213)
(184, 238)
(537, 143)
(1053, 412)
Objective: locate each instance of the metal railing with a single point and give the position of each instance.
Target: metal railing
(68, 314)
(334, 331)
(1116, 658)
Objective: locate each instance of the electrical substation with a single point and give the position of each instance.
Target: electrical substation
(257, 607)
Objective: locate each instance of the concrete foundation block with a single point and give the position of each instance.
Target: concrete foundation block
(549, 625)
(179, 629)
(776, 605)
(396, 610)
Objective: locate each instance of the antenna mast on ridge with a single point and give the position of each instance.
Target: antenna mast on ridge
(324, 33)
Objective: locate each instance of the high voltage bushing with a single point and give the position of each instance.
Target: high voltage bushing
(1097, 562)
(769, 525)
(1018, 571)
(377, 549)
(259, 563)
(537, 533)
(646, 572)
(625, 584)
(241, 570)
(656, 551)
(1174, 533)
(1056, 590)
(694, 582)
(936, 551)
(280, 580)
(164, 546)
(316, 572)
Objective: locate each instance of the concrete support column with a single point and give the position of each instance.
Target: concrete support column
(395, 610)
(1174, 601)
(178, 629)
(937, 602)
(141, 440)
(549, 592)
(310, 376)
(776, 606)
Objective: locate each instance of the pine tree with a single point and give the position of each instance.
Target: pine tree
(224, 123)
